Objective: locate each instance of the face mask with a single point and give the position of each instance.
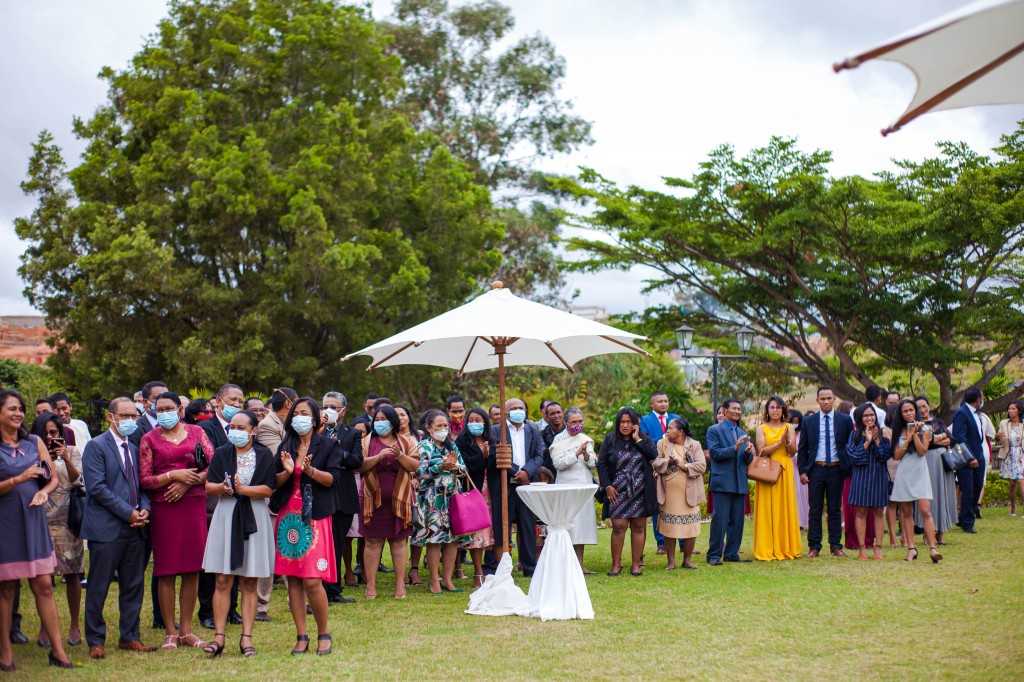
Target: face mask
(126, 427)
(574, 430)
(167, 420)
(441, 435)
(332, 415)
(382, 428)
(229, 411)
(140, 407)
(204, 417)
(476, 428)
(457, 424)
(517, 416)
(240, 438)
(302, 424)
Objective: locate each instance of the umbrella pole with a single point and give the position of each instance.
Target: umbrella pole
(504, 453)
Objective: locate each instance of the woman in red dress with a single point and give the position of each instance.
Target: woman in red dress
(308, 469)
(169, 471)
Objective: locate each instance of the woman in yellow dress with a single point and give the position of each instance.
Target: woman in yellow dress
(776, 524)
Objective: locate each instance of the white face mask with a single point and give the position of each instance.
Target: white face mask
(441, 435)
(332, 415)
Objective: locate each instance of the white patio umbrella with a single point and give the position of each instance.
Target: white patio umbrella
(495, 330)
(970, 57)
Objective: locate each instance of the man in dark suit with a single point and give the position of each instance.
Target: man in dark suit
(731, 450)
(116, 511)
(230, 399)
(527, 458)
(968, 430)
(823, 466)
(335, 405)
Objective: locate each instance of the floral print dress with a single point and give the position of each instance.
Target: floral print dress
(434, 495)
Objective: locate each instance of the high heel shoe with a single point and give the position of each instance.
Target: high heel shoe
(213, 647)
(877, 553)
(57, 663)
(325, 638)
(298, 640)
(247, 651)
(936, 557)
(8, 668)
(911, 558)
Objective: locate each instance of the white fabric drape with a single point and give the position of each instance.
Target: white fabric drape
(499, 595)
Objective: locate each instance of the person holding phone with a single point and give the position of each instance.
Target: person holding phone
(912, 483)
(627, 479)
(731, 450)
(26, 552)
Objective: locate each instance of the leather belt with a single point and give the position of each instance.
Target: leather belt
(822, 464)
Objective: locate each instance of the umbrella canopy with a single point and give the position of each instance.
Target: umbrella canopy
(972, 56)
(535, 334)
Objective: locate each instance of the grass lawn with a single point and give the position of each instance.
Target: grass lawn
(805, 619)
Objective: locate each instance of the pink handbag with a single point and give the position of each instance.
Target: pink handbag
(468, 511)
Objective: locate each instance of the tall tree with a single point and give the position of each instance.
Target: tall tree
(250, 205)
(916, 270)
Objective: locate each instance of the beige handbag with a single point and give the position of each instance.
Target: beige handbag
(764, 469)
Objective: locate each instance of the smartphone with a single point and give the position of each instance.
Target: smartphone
(58, 442)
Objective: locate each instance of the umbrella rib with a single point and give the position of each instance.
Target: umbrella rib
(560, 358)
(854, 62)
(641, 351)
(464, 362)
(378, 364)
(953, 89)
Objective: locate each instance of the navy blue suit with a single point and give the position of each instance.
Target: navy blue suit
(114, 546)
(729, 484)
(524, 518)
(966, 432)
(824, 483)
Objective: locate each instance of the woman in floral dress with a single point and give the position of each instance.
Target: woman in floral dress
(1011, 435)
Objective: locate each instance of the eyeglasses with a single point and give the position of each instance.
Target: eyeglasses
(126, 416)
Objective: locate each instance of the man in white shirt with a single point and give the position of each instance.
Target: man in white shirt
(874, 395)
(82, 435)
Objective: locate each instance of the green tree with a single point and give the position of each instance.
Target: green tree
(250, 205)
(914, 270)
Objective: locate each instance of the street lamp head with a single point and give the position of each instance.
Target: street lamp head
(744, 338)
(684, 338)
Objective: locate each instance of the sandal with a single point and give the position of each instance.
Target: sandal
(215, 648)
(414, 581)
(170, 643)
(247, 651)
(614, 574)
(192, 641)
(299, 639)
(878, 553)
(911, 558)
(478, 579)
(936, 557)
(324, 638)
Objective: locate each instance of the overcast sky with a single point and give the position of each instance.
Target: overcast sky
(663, 81)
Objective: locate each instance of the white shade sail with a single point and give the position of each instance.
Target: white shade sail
(970, 57)
(537, 335)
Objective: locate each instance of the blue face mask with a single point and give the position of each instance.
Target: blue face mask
(475, 429)
(167, 420)
(126, 427)
(382, 428)
(517, 416)
(240, 438)
(302, 424)
(229, 411)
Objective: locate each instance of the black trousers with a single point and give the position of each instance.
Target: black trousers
(526, 532)
(340, 523)
(824, 486)
(125, 556)
(971, 482)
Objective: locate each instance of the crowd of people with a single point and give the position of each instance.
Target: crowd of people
(229, 495)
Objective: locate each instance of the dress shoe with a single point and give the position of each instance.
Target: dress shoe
(136, 646)
(812, 554)
(97, 652)
(736, 560)
(262, 617)
(714, 562)
(208, 624)
(17, 637)
(234, 619)
(309, 610)
(970, 531)
(341, 600)
(977, 512)
(838, 552)
(385, 569)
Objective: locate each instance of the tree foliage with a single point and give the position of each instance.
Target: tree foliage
(914, 270)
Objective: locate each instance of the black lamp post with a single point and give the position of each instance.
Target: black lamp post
(744, 340)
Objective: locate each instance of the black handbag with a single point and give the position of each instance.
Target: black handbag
(76, 510)
(200, 457)
(956, 457)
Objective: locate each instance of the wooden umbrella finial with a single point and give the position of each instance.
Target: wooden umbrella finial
(497, 285)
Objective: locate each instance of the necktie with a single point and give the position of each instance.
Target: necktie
(664, 426)
(227, 429)
(828, 440)
(129, 470)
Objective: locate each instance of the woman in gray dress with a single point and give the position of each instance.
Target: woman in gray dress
(943, 482)
(912, 483)
(241, 538)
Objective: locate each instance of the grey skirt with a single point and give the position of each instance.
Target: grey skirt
(912, 480)
(258, 559)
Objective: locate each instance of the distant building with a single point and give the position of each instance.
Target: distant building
(23, 338)
(597, 313)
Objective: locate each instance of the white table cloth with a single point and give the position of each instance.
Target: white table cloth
(558, 590)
